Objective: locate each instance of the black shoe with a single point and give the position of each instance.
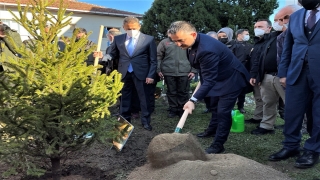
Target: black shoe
(147, 127)
(253, 121)
(206, 134)
(283, 154)
(242, 110)
(172, 114)
(307, 159)
(205, 111)
(215, 149)
(262, 131)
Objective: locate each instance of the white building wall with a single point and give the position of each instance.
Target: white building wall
(90, 22)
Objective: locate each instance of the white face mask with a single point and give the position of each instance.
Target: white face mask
(246, 38)
(258, 32)
(277, 27)
(132, 33)
(286, 25)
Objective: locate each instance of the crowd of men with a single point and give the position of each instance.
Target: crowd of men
(280, 67)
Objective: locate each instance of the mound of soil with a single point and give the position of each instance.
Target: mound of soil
(166, 149)
(218, 167)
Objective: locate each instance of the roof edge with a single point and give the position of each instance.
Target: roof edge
(83, 11)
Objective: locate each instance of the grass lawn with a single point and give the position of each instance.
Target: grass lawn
(253, 147)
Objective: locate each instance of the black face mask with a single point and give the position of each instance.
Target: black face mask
(310, 4)
(223, 40)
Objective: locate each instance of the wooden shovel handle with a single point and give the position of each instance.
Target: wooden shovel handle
(182, 121)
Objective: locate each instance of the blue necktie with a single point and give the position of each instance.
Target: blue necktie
(130, 46)
(130, 49)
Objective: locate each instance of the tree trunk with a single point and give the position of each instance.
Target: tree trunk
(56, 171)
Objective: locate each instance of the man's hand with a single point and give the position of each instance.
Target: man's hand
(149, 80)
(191, 75)
(97, 54)
(253, 82)
(161, 75)
(2, 35)
(283, 81)
(189, 106)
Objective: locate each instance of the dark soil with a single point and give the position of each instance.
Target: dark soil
(101, 162)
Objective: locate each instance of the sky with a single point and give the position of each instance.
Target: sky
(141, 6)
(281, 4)
(135, 6)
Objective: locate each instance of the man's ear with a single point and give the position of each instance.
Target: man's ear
(194, 34)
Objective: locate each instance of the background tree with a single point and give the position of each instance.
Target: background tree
(50, 100)
(206, 15)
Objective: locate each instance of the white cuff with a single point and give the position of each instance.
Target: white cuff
(194, 99)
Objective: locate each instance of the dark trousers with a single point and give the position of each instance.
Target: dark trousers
(177, 91)
(132, 82)
(299, 96)
(242, 98)
(221, 119)
(281, 108)
(152, 102)
(135, 102)
(207, 102)
(135, 106)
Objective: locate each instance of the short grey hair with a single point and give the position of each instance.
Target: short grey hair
(212, 33)
(181, 26)
(114, 32)
(130, 19)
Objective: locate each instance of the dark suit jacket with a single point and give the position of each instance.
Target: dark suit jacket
(143, 59)
(221, 71)
(296, 46)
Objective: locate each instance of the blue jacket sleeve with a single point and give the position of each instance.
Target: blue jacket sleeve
(209, 62)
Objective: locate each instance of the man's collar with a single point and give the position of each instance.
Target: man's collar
(196, 42)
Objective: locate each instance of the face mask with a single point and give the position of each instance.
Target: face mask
(286, 25)
(258, 32)
(223, 40)
(246, 38)
(132, 33)
(310, 4)
(277, 27)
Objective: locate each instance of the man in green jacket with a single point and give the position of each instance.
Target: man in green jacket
(8, 48)
(175, 69)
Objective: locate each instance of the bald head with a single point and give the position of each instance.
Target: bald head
(287, 11)
(283, 15)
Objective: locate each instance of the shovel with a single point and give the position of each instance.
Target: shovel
(185, 114)
(182, 121)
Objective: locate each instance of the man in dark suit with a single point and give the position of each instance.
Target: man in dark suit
(299, 72)
(137, 54)
(224, 77)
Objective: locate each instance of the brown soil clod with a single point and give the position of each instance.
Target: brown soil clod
(167, 149)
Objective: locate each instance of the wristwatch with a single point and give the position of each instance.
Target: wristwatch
(193, 99)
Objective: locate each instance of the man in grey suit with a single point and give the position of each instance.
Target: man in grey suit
(137, 54)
